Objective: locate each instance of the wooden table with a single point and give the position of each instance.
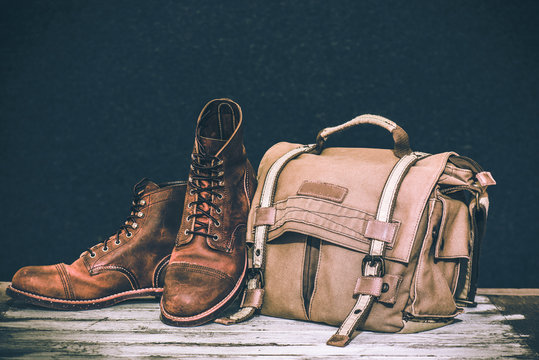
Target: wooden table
(133, 330)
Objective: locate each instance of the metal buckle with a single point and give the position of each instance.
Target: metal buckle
(373, 260)
(253, 272)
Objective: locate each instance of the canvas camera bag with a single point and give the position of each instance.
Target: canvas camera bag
(360, 238)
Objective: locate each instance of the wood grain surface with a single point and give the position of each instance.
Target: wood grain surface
(133, 330)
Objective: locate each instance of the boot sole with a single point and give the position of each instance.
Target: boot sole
(63, 304)
(208, 315)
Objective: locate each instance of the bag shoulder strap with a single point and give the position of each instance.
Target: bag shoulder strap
(373, 263)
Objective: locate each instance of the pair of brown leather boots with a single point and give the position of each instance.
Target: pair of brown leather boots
(184, 240)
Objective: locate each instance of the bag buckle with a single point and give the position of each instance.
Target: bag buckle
(256, 273)
(372, 260)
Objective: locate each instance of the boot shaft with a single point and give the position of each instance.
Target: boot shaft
(219, 164)
(144, 246)
(209, 262)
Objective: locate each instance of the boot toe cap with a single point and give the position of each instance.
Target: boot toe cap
(192, 289)
(40, 280)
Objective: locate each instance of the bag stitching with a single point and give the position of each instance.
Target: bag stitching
(315, 290)
(421, 254)
(425, 201)
(302, 302)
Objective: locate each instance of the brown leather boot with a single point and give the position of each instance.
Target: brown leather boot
(208, 264)
(130, 264)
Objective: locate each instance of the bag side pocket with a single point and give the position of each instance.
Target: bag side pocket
(433, 283)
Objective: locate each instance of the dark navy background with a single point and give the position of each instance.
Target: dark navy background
(95, 95)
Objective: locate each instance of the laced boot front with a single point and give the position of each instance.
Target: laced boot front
(208, 263)
(129, 264)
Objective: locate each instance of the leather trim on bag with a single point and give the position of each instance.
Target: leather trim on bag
(381, 230)
(253, 298)
(368, 285)
(390, 295)
(323, 190)
(485, 178)
(265, 216)
(361, 309)
(267, 195)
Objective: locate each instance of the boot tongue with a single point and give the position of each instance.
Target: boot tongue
(210, 146)
(144, 186)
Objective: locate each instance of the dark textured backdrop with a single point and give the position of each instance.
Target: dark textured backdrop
(95, 95)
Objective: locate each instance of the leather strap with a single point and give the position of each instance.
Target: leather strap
(253, 296)
(369, 285)
(373, 263)
(400, 137)
(485, 178)
(244, 313)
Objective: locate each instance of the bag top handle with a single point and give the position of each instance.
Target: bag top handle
(400, 137)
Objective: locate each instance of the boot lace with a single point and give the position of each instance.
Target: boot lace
(206, 180)
(131, 222)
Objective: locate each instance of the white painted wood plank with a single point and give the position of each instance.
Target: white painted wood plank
(134, 330)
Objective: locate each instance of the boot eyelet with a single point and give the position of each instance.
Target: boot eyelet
(217, 224)
(134, 225)
(221, 162)
(191, 192)
(105, 249)
(140, 214)
(92, 255)
(221, 173)
(118, 242)
(219, 196)
(186, 232)
(215, 237)
(188, 218)
(218, 210)
(221, 183)
(142, 202)
(190, 205)
(128, 234)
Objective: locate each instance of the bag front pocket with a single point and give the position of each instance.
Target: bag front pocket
(284, 277)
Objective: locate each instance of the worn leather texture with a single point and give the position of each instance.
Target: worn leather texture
(208, 262)
(133, 260)
(325, 204)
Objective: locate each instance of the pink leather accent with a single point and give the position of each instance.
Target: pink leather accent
(368, 285)
(380, 230)
(264, 216)
(390, 295)
(323, 190)
(485, 178)
(339, 340)
(253, 298)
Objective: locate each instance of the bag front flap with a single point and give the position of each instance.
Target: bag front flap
(334, 196)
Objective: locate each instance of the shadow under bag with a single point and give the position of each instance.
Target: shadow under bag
(370, 239)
